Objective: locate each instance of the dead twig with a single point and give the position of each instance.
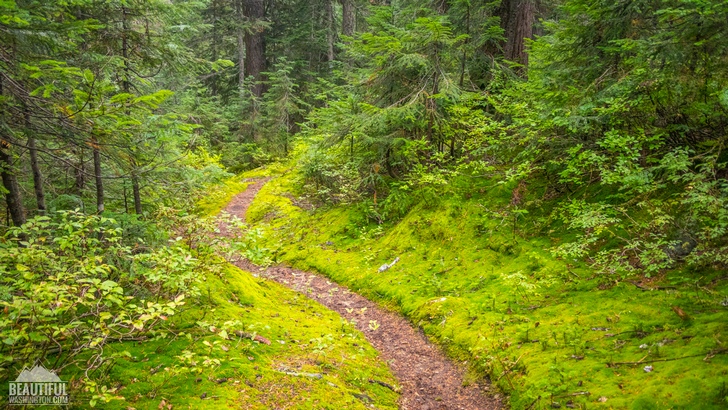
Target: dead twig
(383, 384)
(645, 288)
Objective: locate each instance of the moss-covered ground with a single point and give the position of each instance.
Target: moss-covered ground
(550, 333)
(216, 354)
(314, 361)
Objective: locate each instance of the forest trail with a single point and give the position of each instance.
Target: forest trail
(428, 380)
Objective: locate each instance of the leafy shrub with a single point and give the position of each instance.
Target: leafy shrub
(70, 284)
(62, 297)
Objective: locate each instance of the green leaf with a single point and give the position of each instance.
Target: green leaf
(88, 76)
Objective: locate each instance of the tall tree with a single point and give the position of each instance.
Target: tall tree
(348, 17)
(517, 19)
(255, 61)
(240, 35)
(13, 198)
(330, 30)
(35, 168)
(100, 203)
(37, 177)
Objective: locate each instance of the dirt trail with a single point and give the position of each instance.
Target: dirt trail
(428, 380)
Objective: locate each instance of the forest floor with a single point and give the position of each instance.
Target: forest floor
(428, 380)
(546, 332)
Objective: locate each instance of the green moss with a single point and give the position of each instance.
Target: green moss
(197, 365)
(305, 336)
(495, 297)
(218, 196)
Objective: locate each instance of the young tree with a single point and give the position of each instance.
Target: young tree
(281, 105)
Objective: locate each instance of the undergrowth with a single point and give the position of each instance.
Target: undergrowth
(314, 359)
(483, 282)
(231, 340)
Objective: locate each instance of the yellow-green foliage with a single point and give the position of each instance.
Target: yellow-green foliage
(542, 329)
(306, 339)
(218, 196)
(271, 207)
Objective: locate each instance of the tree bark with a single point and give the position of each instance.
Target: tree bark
(80, 171)
(464, 58)
(127, 88)
(13, 198)
(136, 193)
(97, 175)
(35, 169)
(520, 28)
(214, 44)
(255, 63)
(517, 18)
(348, 17)
(330, 34)
(126, 82)
(241, 45)
(37, 177)
(442, 6)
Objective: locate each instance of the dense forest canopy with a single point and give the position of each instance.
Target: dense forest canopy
(606, 122)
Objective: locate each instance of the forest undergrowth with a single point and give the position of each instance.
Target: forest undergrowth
(489, 289)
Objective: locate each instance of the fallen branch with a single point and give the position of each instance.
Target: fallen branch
(579, 393)
(443, 271)
(505, 372)
(508, 369)
(645, 288)
(383, 384)
(257, 338)
(296, 374)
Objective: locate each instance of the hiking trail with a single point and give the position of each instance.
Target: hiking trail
(428, 380)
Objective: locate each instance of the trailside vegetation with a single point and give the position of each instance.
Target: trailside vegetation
(551, 174)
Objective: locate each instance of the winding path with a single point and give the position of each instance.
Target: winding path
(428, 380)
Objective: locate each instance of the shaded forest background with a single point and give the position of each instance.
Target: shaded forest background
(121, 106)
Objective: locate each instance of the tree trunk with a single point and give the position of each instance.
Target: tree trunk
(37, 178)
(10, 182)
(97, 175)
(517, 18)
(126, 82)
(35, 169)
(214, 44)
(126, 200)
(464, 59)
(241, 46)
(330, 34)
(241, 60)
(442, 6)
(136, 192)
(255, 44)
(520, 28)
(80, 171)
(127, 87)
(348, 17)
